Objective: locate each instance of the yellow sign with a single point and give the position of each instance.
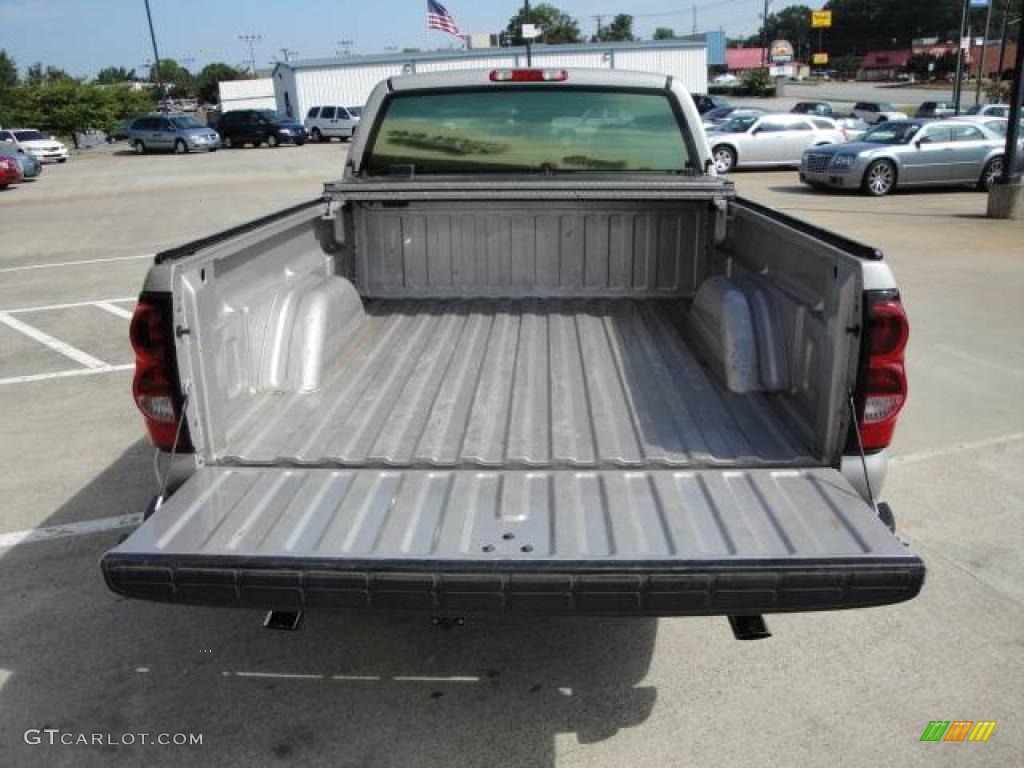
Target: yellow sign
(820, 58)
(821, 19)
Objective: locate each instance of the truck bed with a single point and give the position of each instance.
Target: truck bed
(553, 383)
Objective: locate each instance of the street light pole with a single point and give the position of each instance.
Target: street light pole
(984, 54)
(958, 87)
(156, 54)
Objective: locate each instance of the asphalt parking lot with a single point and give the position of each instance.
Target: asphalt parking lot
(855, 688)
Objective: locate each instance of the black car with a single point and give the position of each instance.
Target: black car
(817, 108)
(706, 103)
(257, 126)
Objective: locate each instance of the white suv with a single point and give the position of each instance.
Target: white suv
(876, 112)
(330, 122)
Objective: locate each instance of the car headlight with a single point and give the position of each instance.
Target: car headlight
(843, 161)
(286, 130)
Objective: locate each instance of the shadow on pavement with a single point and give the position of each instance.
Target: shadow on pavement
(343, 690)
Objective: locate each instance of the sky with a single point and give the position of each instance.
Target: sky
(82, 36)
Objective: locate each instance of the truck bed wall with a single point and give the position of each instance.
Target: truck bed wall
(547, 249)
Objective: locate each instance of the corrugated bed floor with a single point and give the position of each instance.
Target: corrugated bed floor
(528, 383)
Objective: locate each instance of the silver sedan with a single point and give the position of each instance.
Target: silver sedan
(908, 153)
(769, 140)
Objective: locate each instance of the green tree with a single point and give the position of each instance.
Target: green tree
(8, 70)
(846, 66)
(64, 106)
(556, 24)
(620, 30)
(177, 80)
(37, 74)
(209, 78)
(112, 75)
(664, 33)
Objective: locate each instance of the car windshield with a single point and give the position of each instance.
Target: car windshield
(187, 122)
(531, 130)
(719, 113)
(29, 135)
(737, 124)
(275, 117)
(891, 133)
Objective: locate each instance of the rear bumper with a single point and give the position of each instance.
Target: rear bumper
(638, 589)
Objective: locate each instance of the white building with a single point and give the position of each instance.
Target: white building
(299, 85)
(247, 94)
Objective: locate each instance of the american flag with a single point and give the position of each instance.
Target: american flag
(439, 18)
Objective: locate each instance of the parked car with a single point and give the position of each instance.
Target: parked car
(329, 123)
(706, 102)
(728, 78)
(9, 171)
(29, 165)
(260, 126)
(997, 125)
(172, 133)
(990, 110)
(351, 422)
(936, 109)
(908, 153)
(820, 108)
(719, 115)
(40, 145)
(875, 112)
(774, 139)
(853, 127)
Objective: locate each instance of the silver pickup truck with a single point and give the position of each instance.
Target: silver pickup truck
(503, 367)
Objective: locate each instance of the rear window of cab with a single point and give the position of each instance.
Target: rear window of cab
(529, 130)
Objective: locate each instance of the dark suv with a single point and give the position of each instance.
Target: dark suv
(258, 126)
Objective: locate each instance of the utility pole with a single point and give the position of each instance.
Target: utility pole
(599, 18)
(288, 53)
(984, 54)
(1002, 46)
(251, 39)
(959, 86)
(1012, 155)
(156, 55)
(344, 47)
(694, 20)
(529, 40)
(764, 34)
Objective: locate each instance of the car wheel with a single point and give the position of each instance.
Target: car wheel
(724, 158)
(62, 160)
(299, 142)
(316, 135)
(879, 178)
(180, 147)
(993, 170)
(272, 141)
(139, 147)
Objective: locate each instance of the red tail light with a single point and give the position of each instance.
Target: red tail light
(529, 75)
(884, 383)
(155, 387)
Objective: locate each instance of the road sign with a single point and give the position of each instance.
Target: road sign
(820, 58)
(821, 19)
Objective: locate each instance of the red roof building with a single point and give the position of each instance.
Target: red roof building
(883, 65)
(744, 59)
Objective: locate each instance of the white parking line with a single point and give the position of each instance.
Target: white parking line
(114, 309)
(69, 305)
(74, 263)
(938, 453)
(66, 374)
(82, 528)
(80, 357)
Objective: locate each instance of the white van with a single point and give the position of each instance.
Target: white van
(330, 122)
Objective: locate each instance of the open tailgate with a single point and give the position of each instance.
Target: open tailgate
(620, 541)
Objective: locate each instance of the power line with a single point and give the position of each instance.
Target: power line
(251, 38)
